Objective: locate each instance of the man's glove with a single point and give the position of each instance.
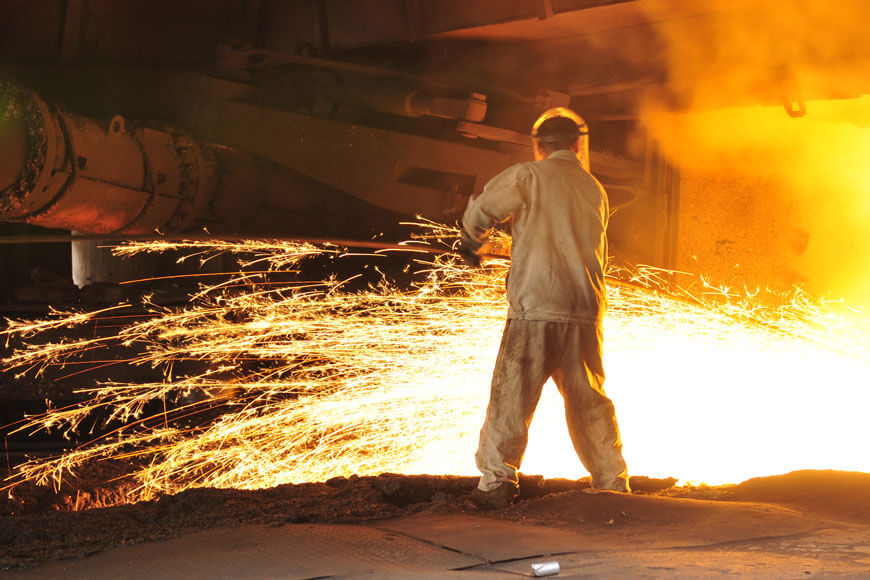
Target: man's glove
(467, 250)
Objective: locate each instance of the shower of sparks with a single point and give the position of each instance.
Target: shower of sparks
(305, 381)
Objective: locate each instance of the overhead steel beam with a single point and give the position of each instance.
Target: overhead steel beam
(72, 30)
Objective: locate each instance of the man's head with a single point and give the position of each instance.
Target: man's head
(559, 129)
(557, 133)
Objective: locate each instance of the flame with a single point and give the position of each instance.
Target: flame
(767, 199)
(788, 196)
(318, 382)
(725, 52)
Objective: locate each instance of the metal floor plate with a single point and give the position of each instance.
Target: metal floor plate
(298, 551)
(601, 536)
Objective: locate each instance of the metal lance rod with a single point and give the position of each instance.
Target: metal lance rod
(368, 244)
(55, 239)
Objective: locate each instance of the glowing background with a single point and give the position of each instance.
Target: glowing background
(707, 388)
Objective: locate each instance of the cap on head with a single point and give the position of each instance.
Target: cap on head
(560, 125)
(556, 130)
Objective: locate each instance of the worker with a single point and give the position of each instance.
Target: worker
(556, 298)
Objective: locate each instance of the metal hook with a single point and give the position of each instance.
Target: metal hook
(795, 109)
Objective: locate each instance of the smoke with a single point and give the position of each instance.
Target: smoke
(768, 197)
(738, 52)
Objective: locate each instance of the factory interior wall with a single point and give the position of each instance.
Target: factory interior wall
(739, 230)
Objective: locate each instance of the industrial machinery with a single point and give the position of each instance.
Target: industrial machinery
(339, 118)
(260, 141)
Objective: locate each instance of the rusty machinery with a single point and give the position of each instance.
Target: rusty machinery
(349, 129)
(397, 141)
(269, 143)
(63, 170)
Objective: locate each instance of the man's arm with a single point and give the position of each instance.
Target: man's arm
(500, 198)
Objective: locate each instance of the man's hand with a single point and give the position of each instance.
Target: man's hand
(467, 250)
(469, 256)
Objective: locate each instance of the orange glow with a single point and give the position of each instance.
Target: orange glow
(767, 199)
(710, 388)
(790, 196)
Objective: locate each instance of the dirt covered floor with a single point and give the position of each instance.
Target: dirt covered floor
(39, 525)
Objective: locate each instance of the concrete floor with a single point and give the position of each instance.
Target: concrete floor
(590, 535)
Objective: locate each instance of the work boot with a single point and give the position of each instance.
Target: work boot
(498, 498)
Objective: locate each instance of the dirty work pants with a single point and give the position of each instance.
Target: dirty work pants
(530, 353)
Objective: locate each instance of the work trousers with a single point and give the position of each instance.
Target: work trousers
(530, 353)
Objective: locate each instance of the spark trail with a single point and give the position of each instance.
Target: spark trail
(315, 381)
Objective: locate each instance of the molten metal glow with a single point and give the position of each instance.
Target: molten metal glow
(316, 381)
(790, 195)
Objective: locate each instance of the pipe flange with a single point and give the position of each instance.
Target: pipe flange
(20, 104)
(197, 176)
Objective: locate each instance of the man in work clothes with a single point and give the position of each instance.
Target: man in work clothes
(556, 298)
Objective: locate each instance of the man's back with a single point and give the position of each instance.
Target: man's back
(559, 247)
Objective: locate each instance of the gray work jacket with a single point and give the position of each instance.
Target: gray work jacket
(559, 244)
